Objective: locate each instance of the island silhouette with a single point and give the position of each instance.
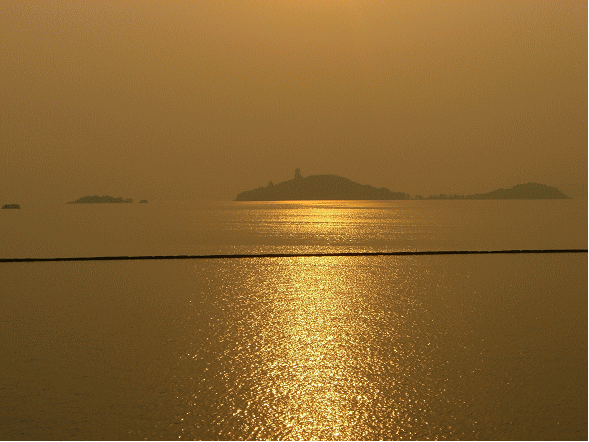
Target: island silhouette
(529, 191)
(319, 187)
(100, 200)
(333, 187)
(11, 206)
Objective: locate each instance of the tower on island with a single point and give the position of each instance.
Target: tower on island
(298, 176)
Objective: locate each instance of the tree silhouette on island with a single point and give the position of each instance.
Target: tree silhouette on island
(333, 187)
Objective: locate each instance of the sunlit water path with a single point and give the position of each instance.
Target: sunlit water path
(483, 347)
(323, 347)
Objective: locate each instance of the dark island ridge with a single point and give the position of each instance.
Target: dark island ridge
(333, 187)
(529, 191)
(100, 200)
(319, 187)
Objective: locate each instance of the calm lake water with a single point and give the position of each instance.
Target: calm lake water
(411, 347)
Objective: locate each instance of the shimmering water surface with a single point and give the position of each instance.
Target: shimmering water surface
(185, 228)
(413, 347)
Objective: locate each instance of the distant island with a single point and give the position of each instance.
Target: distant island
(11, 206)
(529, 191)
(143, 201)
(333, 187)
(319, 187)
(100, 200)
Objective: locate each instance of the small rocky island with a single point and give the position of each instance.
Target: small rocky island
(143, 202)
(529, 191)
(100, 200)
(319, 187)
(11, 206)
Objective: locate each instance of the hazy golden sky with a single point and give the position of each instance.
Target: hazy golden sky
(205, 99)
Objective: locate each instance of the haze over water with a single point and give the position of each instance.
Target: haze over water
(203, 100)
(189, 103)
(414, 347)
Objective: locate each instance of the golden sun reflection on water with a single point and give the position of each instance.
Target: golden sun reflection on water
(317, 325)
(335, 223)
(366, 348)
(317, 353)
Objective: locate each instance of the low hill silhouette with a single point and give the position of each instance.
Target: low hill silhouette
(100, 200)
(529, 191)
(319, 187)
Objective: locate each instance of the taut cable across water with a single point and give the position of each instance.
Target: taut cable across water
(291, 255)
